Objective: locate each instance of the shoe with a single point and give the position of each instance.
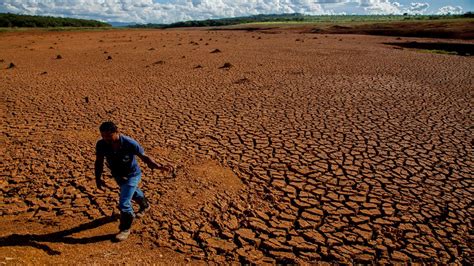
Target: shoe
(144, 207)
(123, 235)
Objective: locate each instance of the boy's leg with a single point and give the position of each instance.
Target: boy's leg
(140, 198)
(125, 201)
(138, 195)
(126, 211)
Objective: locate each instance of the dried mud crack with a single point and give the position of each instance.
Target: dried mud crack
(324, 150)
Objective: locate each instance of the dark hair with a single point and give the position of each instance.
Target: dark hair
(108, 127)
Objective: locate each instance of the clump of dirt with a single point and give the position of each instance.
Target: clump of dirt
(242, 81)
(226, 66)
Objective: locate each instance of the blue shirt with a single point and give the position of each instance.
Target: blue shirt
(122, 163)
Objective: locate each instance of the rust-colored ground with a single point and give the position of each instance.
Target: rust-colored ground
(449, 28)
(306, 148)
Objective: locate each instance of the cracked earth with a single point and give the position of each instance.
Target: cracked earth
(289, 148)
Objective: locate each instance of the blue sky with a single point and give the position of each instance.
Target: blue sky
(168, 11)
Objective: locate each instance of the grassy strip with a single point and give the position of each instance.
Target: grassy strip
(438, 52)
(355, 22)
(297, 18)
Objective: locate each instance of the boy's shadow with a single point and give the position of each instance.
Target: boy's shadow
(61, 236)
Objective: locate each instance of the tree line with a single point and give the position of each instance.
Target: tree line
(296, 17)
(14, 20)
(227, 21)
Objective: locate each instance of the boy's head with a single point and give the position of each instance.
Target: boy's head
(109, 132)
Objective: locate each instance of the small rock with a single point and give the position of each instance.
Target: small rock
(226, 65)
(215, 51)
(11, 65)
(59, 56)
(109, 57)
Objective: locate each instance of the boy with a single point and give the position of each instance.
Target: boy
(119, 151)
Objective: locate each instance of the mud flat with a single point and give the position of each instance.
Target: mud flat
(289, 147)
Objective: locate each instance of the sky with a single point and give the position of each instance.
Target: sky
(169, 11)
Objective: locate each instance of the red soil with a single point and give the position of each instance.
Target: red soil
(307, 148)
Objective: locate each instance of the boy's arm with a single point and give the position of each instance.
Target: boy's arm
(152, 164)
(99, 168)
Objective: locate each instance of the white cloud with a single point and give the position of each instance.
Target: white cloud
(149, 11)
(418, 8)
(168, 11)
(376, 7)
(450, 10)
(332, 1)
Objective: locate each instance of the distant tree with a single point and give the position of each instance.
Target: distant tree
(14, 20)
(469, 14)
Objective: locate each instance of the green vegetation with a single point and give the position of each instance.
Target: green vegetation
(463, 49)
(301, 18)
(439, 52)
(8, 20)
